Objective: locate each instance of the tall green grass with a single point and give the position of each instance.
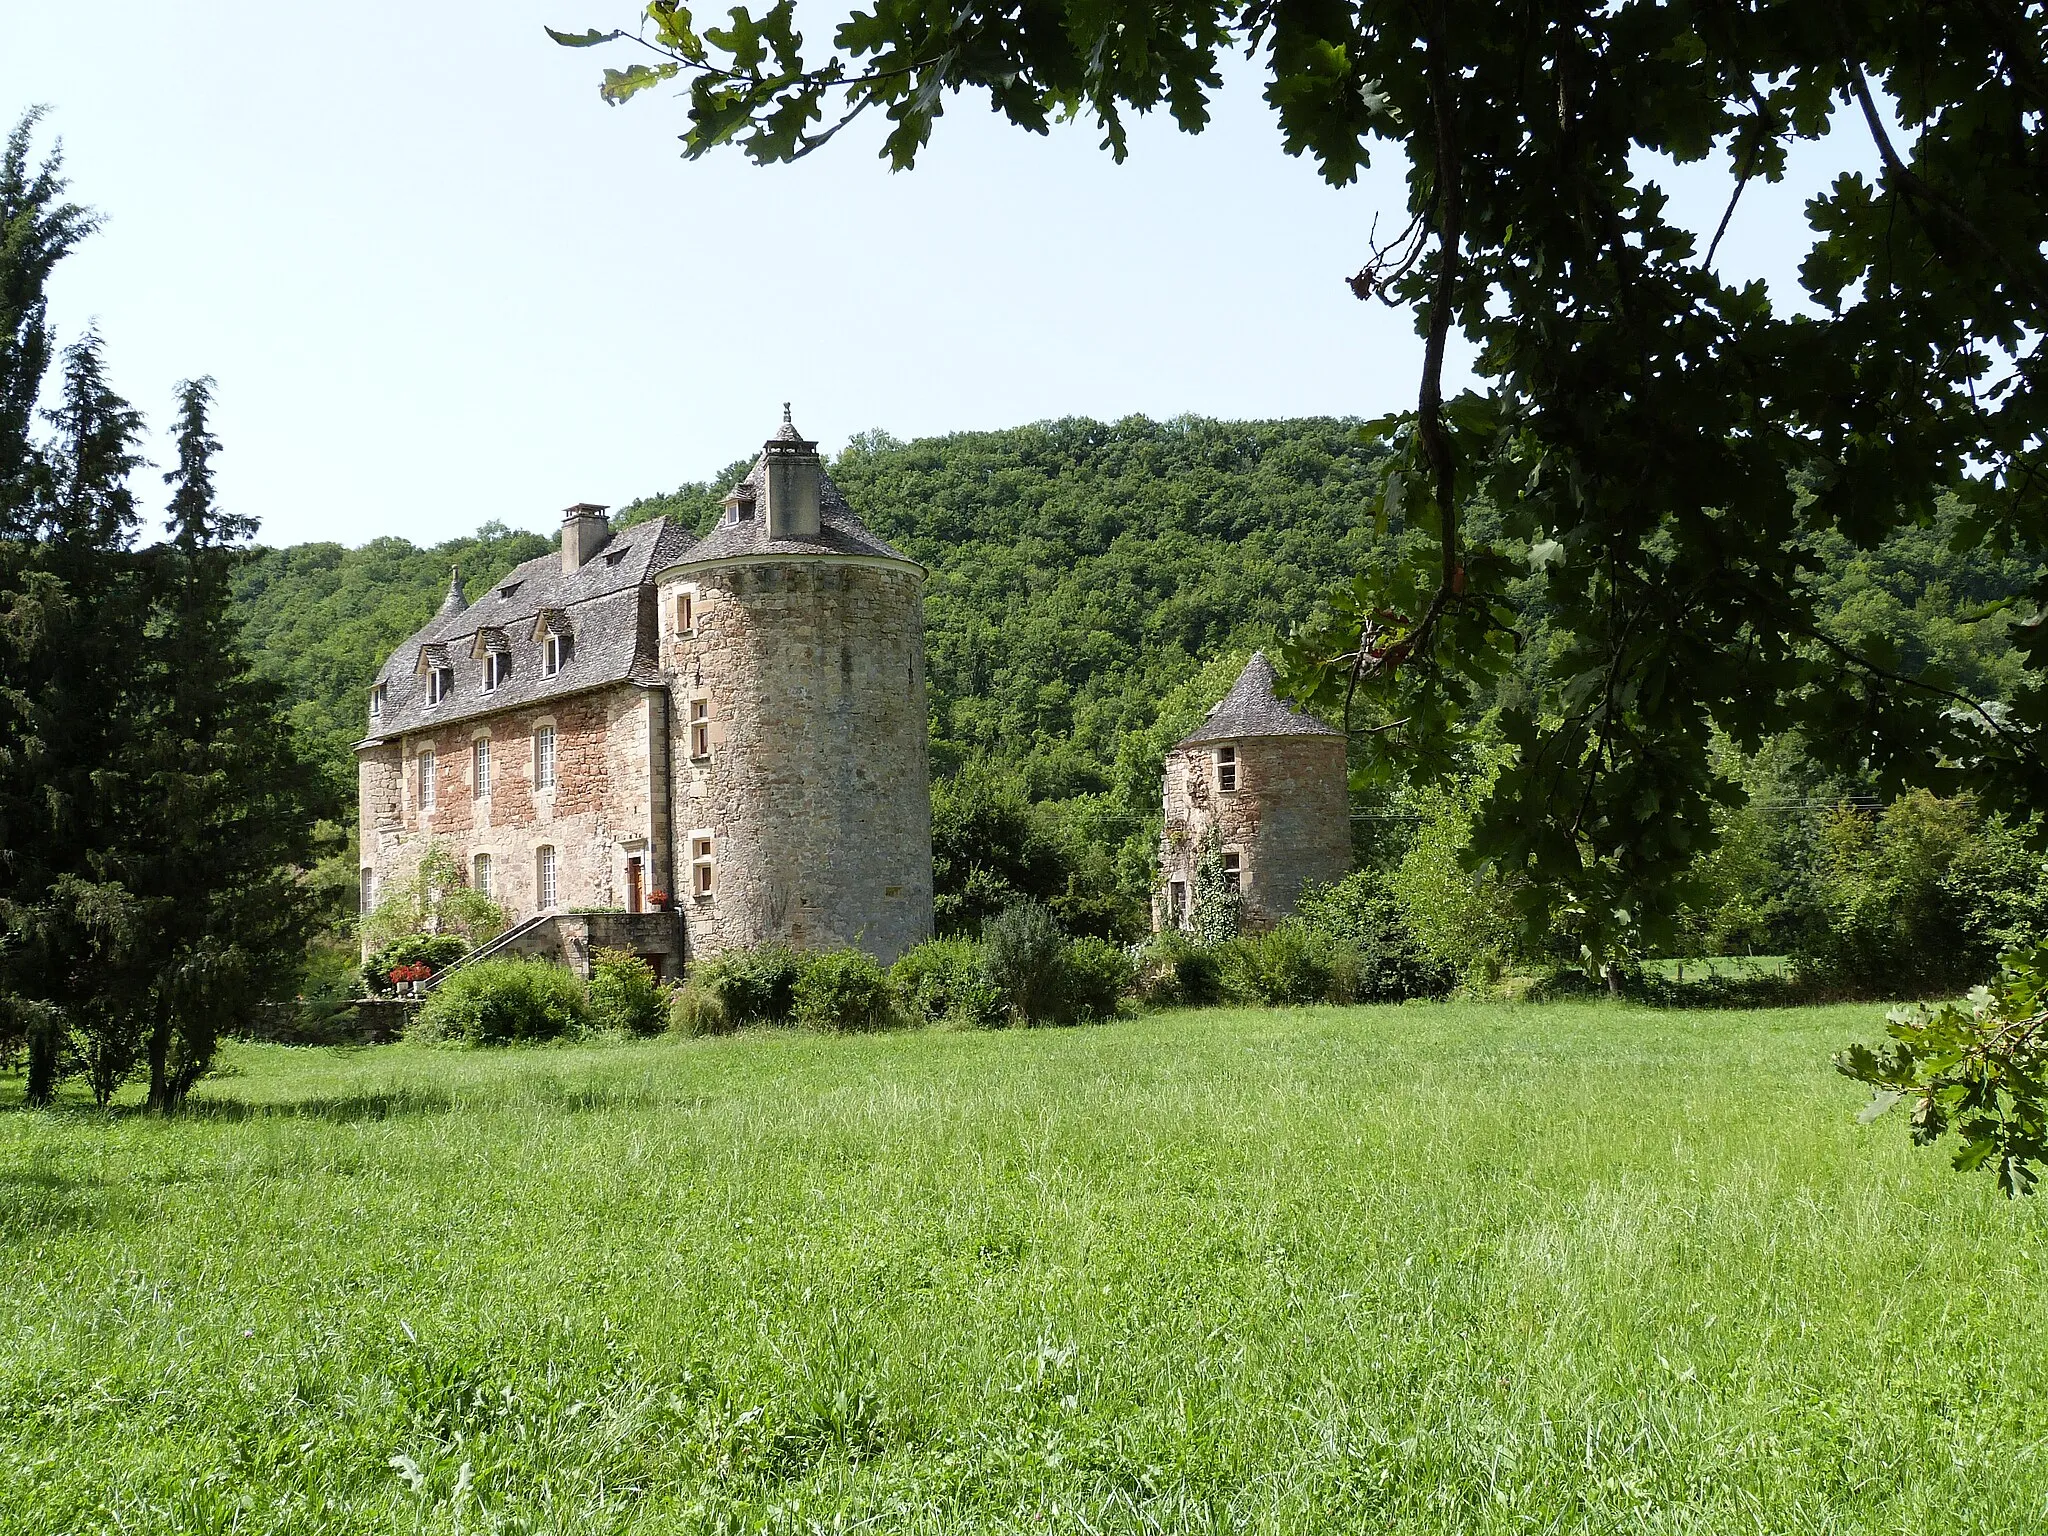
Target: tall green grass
(1434, 1268)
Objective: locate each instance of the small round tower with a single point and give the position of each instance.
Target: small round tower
(1269, 784)
(793, 646)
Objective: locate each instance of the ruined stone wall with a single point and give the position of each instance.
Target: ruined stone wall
(603, 808)
(815, 791)
(1289, 819)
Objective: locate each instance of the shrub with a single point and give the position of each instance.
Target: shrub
(752, 986)
(695, 1009)
(941, 982)
(1098, 975)
(436, 951)
(1292, 963)
(500, 1002)
(624, 995)
(1175, 971)
(1360, 911)
(843, 989)
(1023, 957)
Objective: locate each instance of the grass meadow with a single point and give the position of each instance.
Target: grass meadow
(1435, 1268)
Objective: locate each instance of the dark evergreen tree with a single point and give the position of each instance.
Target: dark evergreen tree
(233, 799)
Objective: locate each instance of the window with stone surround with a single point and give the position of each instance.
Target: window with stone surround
(686, 611)
(1226, 768)
(428, 775)
(1233, 871)
(544, 877)
(700, 728)
(1177, 903)
(367, 894)
(481, 879)
(544, 757)
(702, 865)
(480, 757)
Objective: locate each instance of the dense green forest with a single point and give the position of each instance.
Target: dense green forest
(1094, 587)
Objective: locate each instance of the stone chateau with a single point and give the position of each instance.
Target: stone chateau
(1268, 783)
(720, 740)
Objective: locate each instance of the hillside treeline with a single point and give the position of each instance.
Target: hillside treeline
(1095, 586)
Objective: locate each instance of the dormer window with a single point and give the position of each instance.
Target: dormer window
(497, 668)
(738, 511)
(508, 589)
(555, 653)
(440, 684)
(377, 702)
(614, 557)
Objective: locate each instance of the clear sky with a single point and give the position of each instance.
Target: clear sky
(439, 282)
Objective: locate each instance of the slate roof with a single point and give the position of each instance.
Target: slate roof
(1252, 708)
(607, 608)
(840, 530)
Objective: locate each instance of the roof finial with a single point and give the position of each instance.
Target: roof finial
(455, 600)
(785, 414)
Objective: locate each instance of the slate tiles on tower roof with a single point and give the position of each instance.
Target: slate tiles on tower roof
(1253, 708)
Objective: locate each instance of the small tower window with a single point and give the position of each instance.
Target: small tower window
(480, 757)
(440, 684)
(700, 728)
(1226, 768)
(428, 775)
(377, 702)
(367, 893)
(482, 879)
(544, 757)
(1177, 902)
(544, 877)
(686, 612)
(1233, 871)
(701, 865)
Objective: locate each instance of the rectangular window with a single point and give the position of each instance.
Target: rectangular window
(544, 877)
(1226, 768)
(555, 652)
(700, 727)
(480, 751)
(427, 778)
(497, 667)
(377, 702)
(368, 893)
(483, 875)
(440, 684)
(700, 865)
(686, 613)
(1177, 902)
(544, 757)
(1233, 871)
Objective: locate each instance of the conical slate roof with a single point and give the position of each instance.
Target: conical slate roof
(1252, 708)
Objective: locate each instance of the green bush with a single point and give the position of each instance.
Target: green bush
(695, 1009)
(1175, 971)
(1360, 912)
(624, 996)
(502, 1002)
(438, 950)
(752, 986)
(843, 989)
(941, 982)
(1023, 957)
(1098, 976)
(1292, 963)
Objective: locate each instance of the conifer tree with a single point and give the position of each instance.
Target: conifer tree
(233, 799)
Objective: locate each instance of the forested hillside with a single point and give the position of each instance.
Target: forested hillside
(1094, 586)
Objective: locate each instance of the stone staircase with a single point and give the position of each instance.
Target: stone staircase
(497, 946)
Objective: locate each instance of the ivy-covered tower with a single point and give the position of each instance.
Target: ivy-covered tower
(1260, 788)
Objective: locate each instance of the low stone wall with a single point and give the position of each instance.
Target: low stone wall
(656, 937)
(366, 1021)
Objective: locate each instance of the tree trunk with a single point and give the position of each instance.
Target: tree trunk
(42, 1064)
(160, 1066)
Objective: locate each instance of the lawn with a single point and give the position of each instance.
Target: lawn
(1445, 1268)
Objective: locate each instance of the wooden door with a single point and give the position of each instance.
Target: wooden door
(632, 885)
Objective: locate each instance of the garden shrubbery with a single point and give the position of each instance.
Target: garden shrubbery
(843, 989)
(624, 996)
(941, 982)
(435, 951)
(505, 1002)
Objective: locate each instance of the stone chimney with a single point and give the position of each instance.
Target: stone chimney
(792, 474)
(585, 530)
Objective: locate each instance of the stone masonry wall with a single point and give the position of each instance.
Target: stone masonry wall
(815, 793)
(1289, 819)
(601, 810)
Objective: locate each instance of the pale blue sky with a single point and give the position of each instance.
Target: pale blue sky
(439, 282)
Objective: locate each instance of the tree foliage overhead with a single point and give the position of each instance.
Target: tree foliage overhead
(1662, 446)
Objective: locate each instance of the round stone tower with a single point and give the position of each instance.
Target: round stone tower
(792, 640)
(1269, 784)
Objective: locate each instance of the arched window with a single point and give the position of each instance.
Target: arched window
(544, 878)
(482, 880)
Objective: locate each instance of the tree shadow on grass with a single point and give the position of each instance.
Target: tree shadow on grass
(39, 1200)
(342, 1109)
